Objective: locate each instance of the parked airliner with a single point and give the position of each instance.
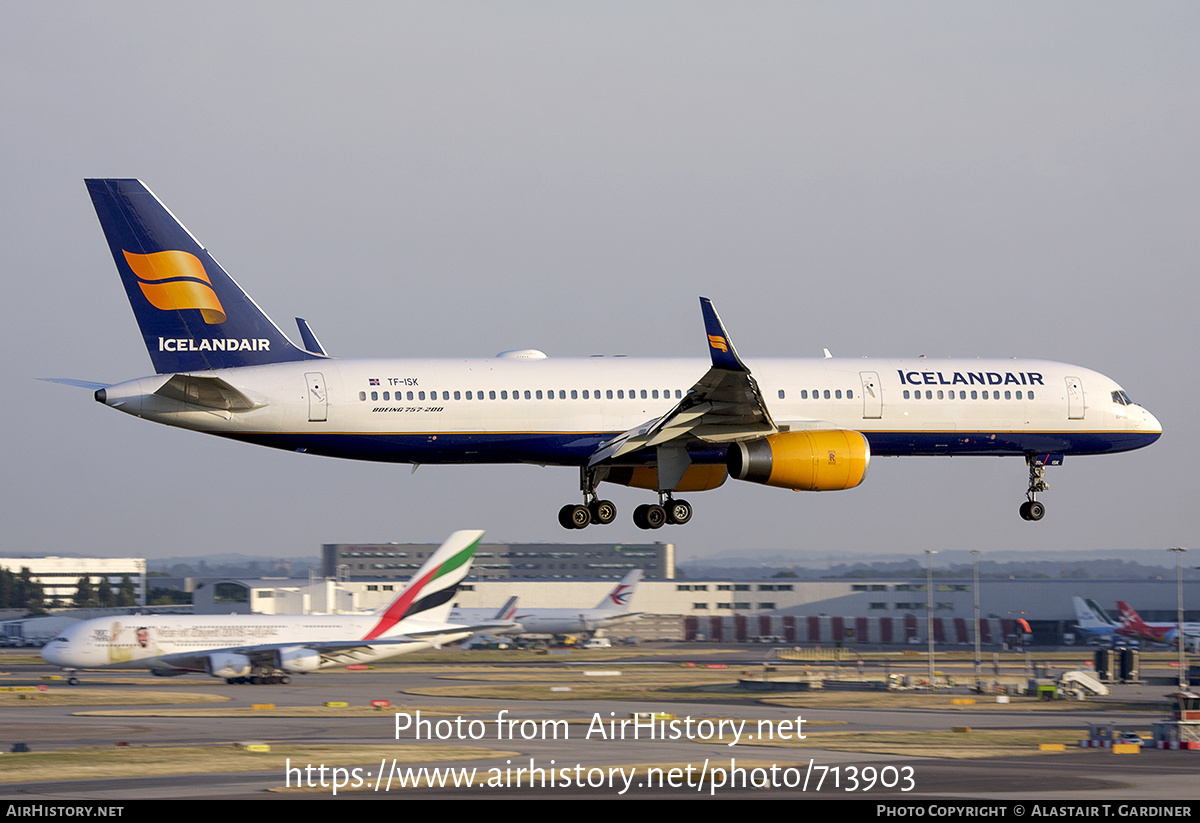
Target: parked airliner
(666, 425)
(1167, 634)
(1092, 620)
(612, 609)
(258, 648)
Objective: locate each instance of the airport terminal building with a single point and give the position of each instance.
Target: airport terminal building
(504, 561)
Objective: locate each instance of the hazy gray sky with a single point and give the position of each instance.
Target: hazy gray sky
(431, 179)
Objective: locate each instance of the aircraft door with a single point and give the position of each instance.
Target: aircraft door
(318, 397)
(872, 395)
(1074, 398)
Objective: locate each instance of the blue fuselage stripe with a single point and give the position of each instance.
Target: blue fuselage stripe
(574, 448)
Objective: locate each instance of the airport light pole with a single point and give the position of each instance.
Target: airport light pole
(929, 553)
(1180, 638)
(975, 569)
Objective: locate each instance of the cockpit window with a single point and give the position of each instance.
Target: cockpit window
(1121, 398)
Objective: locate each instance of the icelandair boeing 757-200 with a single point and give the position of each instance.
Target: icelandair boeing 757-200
(666, 425)
(261, 648)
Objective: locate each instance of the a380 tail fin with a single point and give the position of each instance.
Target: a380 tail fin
(429, 595)
(192, 314)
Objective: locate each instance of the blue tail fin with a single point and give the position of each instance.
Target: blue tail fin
(192, 314)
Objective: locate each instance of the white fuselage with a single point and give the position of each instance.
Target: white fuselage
(557, 411)
(183, 643)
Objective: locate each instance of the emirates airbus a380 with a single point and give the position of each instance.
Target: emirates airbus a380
(669, 425)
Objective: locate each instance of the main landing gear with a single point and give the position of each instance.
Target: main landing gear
(260, 680)
(1031, 509)
(593, 510)
(603, 512)
(668, 510)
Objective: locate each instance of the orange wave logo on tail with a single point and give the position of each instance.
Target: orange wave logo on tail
(176, 280)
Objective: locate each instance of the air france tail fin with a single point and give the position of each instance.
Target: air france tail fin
(429, 595)
(618, 599)
(507, 610)
(192, 314)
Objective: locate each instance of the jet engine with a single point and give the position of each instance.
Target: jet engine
(298, 659)
(827, 460)
(229, 665)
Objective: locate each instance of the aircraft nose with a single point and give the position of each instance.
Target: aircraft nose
(51, 653)
(1149, 423)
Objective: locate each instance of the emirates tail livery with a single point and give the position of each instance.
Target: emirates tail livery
(259, 648)
(667, 425)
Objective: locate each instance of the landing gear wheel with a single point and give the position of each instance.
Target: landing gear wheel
(72, 681)
(603, 512)
(639, 517)
(1036, 510)
(1025, 510)
(655, 516)
(574, 517)
(678, 512)
(284, 680)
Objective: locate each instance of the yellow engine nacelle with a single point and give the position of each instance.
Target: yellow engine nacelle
(814, 461)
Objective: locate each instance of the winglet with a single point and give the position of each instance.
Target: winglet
(724, 356)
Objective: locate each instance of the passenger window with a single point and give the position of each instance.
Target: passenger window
(620, 394)
(827, 394)
(362, 395)
(457, 396)
(906, 394)
(374, 395)
(974, 394)
(386, 396)
(850, 394)
(804, 394)
(528, 396)
(654, 394)
(574, 394)
(608, 394)
(781, 394)
(503, 395)
(838, 394)
(940, 395)
(643, 394)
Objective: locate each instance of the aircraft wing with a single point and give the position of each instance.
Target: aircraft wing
(724, 406)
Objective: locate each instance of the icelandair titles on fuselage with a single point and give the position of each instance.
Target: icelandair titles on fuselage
(971, 378)
(214, 344)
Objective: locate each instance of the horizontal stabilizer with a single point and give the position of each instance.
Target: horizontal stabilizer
(79, 384)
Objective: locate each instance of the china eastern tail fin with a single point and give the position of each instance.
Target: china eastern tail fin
(618, 599)
(192, 314)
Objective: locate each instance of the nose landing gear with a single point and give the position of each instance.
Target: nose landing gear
(1031, 509)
